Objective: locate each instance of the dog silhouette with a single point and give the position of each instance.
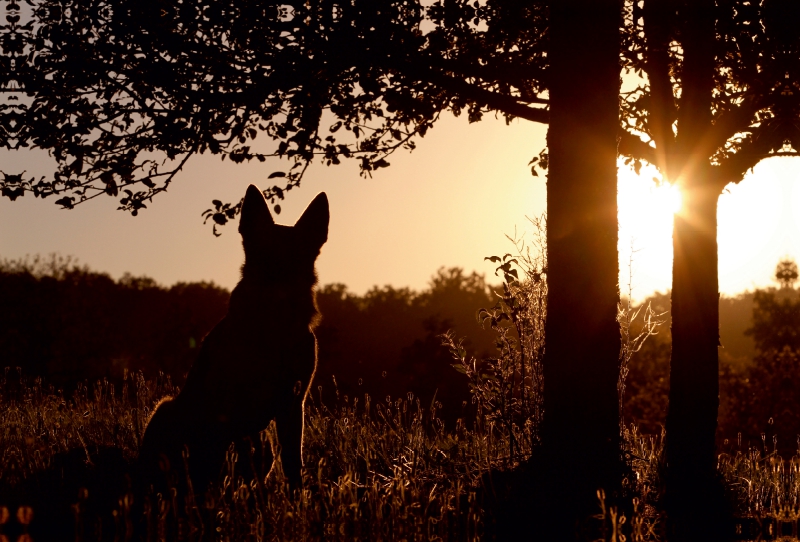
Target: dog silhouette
(258, 363)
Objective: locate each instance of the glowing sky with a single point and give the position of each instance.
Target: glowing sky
(758, 221)
(450, 202)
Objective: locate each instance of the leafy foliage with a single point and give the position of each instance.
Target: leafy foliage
(751, 66)
(123, 93)
(507, 389)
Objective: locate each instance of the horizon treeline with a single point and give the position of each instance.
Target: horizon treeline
(69, 324)
(759, 372)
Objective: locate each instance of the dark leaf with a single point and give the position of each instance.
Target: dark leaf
(13, 193)
(66, 202)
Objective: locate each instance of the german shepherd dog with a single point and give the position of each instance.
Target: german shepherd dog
(257, 364)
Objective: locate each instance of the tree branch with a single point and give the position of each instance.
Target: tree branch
(499, 102)
(489, 73)
(631, 145)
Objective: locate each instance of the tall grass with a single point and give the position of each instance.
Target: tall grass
(762, 484)
(507, 388)
(37, 423)
(386, 470)
(376, 469)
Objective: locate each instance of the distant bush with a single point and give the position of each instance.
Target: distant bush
(387, 342)
(764, 396)
(70, 324)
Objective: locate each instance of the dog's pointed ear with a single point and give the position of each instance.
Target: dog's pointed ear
(314, 222)
(255, 212)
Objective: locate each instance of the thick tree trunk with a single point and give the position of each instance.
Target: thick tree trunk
(581, 363)
(545, 498)
(693, 495)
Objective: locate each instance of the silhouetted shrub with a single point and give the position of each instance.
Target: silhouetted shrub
(764, 397)
(507, 388)
(386, 342)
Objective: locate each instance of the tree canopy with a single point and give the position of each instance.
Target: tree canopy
(744, 87)
(123, 93)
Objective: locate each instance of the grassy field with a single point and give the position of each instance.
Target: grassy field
(378, 468)
(377, 471)
(386, 470)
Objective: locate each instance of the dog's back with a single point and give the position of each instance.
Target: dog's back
(257, 364)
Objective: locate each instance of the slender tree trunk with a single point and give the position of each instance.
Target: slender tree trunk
(694, 368)
(581, 363)
(693, 496)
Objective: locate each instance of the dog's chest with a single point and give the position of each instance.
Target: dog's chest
(259, 364)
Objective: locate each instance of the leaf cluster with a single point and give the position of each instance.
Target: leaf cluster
(507, 388)
(732, 101)
(123, 93)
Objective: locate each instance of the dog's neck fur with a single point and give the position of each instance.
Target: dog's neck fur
(293, 301)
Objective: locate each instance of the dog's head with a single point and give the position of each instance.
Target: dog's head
(282, 253)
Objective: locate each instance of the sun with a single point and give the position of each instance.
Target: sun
(758, 223)
(647, 206)
(646, 195)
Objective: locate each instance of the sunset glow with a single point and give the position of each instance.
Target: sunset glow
(451, 202)
(758, 224)
(646, 208)
(758, 221)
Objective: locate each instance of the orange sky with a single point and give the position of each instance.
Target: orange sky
(450, 202)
